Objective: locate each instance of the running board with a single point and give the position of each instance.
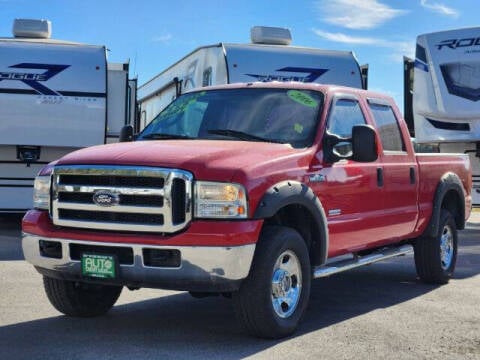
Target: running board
(344, 265)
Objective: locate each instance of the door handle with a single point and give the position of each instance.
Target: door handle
(380, 177)
(412, 176)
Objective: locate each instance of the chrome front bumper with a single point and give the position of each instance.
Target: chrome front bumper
(202, 268)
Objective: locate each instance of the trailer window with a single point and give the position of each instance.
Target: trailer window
(388, 127)
(207, 77)
(462, 79)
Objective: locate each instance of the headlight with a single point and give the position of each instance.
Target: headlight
(220, 200)
(41, 192)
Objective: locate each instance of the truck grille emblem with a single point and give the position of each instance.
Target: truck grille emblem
(106, 198)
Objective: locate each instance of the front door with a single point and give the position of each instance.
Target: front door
(350, 191)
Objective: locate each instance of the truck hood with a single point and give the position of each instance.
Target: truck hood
(206, 159)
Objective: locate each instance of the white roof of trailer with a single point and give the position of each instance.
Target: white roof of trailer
(451, 31)
(42, 41)
(283, 48)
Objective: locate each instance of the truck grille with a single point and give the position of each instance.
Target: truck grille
(121, 198)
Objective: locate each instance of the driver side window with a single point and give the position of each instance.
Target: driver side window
(345, 114)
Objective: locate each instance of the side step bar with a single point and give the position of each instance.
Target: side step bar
(357, 261)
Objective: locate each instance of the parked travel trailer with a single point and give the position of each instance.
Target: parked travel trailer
(55, 97)
(442, 94)
(269, 57)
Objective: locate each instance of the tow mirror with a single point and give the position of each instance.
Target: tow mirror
(364, 145)
(126, 133)
(361, 147)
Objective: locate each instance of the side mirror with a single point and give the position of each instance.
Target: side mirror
(126, 133)
(364, 145)
(361, 147)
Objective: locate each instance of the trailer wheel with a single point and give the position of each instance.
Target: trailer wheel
(435, 257)
(273, 299)
(79, 299)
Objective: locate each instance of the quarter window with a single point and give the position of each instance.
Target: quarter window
(388, 127)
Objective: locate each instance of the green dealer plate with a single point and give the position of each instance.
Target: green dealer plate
(99, 266)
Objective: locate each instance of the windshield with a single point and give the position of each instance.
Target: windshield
(271, 115)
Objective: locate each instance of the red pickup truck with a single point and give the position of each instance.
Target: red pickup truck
(250, 191)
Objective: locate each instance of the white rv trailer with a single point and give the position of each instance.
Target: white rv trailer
(55, 96)
(268, 58)
(444, 104)
(121, 100)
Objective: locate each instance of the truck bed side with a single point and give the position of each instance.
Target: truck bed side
(432, 169)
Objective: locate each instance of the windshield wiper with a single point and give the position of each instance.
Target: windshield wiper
(242, 135)
(165, 136)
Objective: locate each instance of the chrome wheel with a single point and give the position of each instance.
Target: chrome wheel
(446, 247)
(286, 284)
(271, 301)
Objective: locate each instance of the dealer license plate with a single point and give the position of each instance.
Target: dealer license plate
(99, 266)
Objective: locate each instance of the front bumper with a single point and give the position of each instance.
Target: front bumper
(202, 268)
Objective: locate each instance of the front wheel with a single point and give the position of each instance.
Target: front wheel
(273, 299)
(80, 299)
(435, 257)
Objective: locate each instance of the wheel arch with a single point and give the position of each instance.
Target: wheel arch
(449, 195)
(294, 204)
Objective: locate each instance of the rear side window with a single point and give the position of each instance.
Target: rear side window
(388, 127)
(345, 114)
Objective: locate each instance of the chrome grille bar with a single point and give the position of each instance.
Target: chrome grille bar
(147, 209)
(122, 190)
(117, 208)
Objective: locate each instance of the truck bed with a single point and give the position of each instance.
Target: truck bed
(431, 168)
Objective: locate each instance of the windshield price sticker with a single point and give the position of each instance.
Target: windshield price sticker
(99, 266)
(302, 98)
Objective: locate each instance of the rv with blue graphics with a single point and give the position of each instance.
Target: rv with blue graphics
(55, 97)
(269, 57)
(442, 95)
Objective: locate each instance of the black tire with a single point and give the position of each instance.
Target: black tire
(80, 299)
(436, 265)
(254, 302)
(201, 295)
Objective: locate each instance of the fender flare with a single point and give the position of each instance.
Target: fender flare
(296, 193)
(448, 182)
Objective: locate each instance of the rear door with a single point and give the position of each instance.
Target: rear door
(399, 173)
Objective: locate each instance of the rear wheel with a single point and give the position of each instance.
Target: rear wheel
(435, 257)
(273, 299)
(80, 299)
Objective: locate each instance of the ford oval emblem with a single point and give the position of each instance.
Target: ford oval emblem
(106, 198)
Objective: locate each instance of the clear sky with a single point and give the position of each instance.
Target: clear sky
(155, 34)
